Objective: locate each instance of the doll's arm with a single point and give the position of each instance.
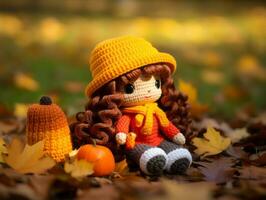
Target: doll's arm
(122, 129)
(173, 133)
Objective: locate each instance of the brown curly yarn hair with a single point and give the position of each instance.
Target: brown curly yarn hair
(102, 111)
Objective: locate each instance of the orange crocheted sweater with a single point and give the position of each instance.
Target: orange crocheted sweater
(127, 123)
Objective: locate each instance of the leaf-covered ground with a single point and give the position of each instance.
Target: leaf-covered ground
(228, 163)
(221, 66)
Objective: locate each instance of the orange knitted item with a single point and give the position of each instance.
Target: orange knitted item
(113, 57)
(130, 143)
(128, 122)
(46, 121)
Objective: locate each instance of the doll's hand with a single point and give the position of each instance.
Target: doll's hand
(179, 138)
(121, 138)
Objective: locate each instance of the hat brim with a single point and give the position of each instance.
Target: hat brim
(109, 75)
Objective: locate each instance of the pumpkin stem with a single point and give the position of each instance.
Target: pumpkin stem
(94, 142)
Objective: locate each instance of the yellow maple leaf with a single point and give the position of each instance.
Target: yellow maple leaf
(25, 81)
(79, 168)
(212, 143)
(3, 150)
(189, 90)
(28, 159)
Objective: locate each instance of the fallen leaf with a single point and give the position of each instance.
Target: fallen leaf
(3, 149)
(41, 184)
(196, 108)
(237, 134)
(258, 159)
(249, 66)
(261, 118)
(212, 59)
(189, 90)
(212, 143)
(174, 190)
(26, 82)
(20, 191)
(79, 168)
(21, 110)
(256, 141)
(8, 126)
(210, 122)
(237, 152)
(28, 159)
(121, 167)
(253, 172)
(105, 192)
(219, 171)
(51, 30)
(212, 77)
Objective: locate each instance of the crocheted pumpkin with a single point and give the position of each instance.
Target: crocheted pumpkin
(46, 121)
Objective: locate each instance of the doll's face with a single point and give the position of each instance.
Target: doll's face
(146, 89)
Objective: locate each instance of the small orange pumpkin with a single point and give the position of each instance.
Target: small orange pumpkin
(100, 156)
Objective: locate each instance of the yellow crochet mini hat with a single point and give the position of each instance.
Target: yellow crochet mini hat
(46, 121)
(115, 57)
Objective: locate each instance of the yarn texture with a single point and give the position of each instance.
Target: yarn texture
(48, 122)
(114, 57)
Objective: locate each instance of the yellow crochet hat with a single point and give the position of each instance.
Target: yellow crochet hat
(115, 57)
(46, 121)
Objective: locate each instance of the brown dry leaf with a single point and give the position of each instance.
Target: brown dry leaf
(258, 159)
(8, 126)
(253, 172)
(261, 118)
(237, 152)
(41, 184)
(237, 134)
(210, 122)
(79, 168)
(174, 190)
(19, 191)
(105, 192)
(218, 171)
(3, 149)
(212, 143)
(26, 82)
(28, 159)
(121, 167)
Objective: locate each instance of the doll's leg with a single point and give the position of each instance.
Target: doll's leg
(151, 160)
(179, 158)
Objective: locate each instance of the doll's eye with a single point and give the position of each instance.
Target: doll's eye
(158, 83)
(129, 88)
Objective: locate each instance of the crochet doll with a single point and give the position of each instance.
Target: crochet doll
(133, 103)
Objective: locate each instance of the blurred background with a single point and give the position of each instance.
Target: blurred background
(219, 47)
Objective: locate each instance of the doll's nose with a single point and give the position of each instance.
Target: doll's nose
(149, 91)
